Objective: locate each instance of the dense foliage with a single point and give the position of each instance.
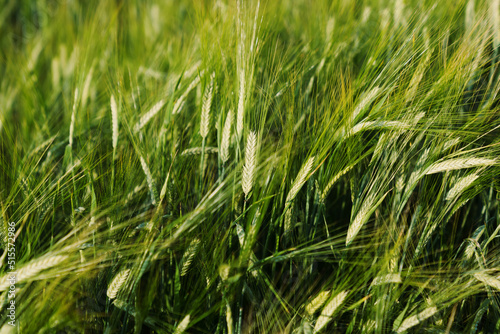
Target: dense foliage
(252, 166)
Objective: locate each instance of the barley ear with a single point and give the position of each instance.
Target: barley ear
(182, 326)
(250, 163)
(205, 112)
(329, 310)
(226, 135)
(116, 284)
(114, 119)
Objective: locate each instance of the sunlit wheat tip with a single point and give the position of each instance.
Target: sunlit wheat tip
(189, 255)
(32, 269)
(462, 184)
(199, 150)
(116, 284)
(329, 310)
(416, 319)
(72, 124)
(386, 279)
(488, 280)
(182, 326)
(460, 163)
(368, 206)
(229, 319)
(114, 120)
(150, 114)
(241, 106)
(369, 97)
(226, 135)
(149, 179)
(205, 112)
(317, 302)
(250, 163)
(300, 179)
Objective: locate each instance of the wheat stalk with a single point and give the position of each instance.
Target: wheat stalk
(150, 114)
(114, 120)
(317, 302)
(182, 326)
(116, 284)
(329, 310)
(226, 135)
(205, 112)
(460, 163)
(416, 319)
(250, 163)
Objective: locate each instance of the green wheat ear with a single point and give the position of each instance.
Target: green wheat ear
(250, 163)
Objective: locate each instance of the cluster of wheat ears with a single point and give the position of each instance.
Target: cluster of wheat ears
(234, 166)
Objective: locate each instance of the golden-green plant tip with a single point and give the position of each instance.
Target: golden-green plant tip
(116, 284)
(414, 320)
(114, 120)
(226, 137)
(183, 325)
(248, 177)
(329, 310)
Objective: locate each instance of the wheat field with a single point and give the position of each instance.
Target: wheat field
(260, 166)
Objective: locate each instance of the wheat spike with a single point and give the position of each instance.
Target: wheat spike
(317, 302)
(389, 278)
(86, 86)
(189, 255)
(241, 106)
(116, 283)
(72, 125)
(250, 163)
(149, 179)
(205, 112)
(114, 120)
(495, 18)
(329, 310)
(229, 319)
(32, 269)
(182, 326)
(150, 114)
(469, 250)
(226, 135)
(198, 150)
(461, 185)
(460, 163)
(469, 15)
(488, 280)
(300, 179)
(180, 102)
(369, 97)
(416, 319)
(368, 206)
(399, 7)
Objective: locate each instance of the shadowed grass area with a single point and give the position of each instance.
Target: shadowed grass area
(250, 166)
